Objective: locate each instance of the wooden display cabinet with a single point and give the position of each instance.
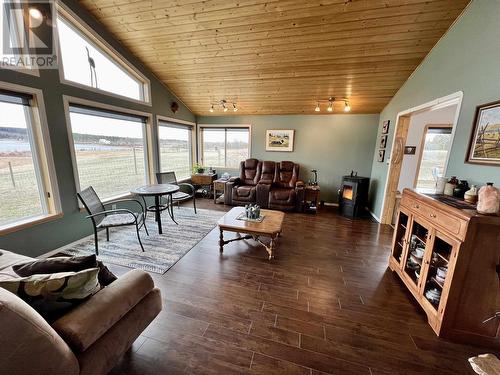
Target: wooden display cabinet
(468, 246)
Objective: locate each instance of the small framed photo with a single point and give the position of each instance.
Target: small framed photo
(484, 143)
(381, 156)
(279, 140)
(410, 150)
(383, 141)
(385, 126)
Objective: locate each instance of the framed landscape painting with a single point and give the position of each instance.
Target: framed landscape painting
(279, 140)
(484, 145)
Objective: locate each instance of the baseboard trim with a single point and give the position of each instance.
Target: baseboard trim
(64, 247)
(374, 216)
(331, 204)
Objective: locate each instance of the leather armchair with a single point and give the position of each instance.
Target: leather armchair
(287, 191)
(242, 190)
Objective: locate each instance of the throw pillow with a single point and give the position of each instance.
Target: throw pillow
(65, 264)
(53, 295)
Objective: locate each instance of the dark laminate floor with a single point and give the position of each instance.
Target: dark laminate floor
(327, 304)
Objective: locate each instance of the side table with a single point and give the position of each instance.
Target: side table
(204, 182)
(311, 198)
(219, 187)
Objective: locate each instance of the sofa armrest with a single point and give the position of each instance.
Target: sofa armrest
(228, 190)
(263, 190)
(300, 190)
(82, 326)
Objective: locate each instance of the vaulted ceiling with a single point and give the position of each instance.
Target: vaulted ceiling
(279, 57)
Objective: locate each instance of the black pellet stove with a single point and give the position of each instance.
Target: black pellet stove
(353, 195)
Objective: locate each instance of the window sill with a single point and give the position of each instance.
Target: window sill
(28, 223)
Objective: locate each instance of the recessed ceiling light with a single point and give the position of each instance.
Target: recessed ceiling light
(317, 109)
(330, 105)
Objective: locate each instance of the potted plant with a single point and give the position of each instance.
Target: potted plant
(198, 168)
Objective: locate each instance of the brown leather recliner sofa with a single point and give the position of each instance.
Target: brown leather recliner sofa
(90, 339)
(268, 184)
(242, 190)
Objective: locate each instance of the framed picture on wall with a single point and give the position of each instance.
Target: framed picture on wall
(385, 127)
(279, 140)
(381, 156)
(484, 144)
(410, 150)
(383, 141)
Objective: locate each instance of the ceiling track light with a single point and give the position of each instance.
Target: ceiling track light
(331, 102)
(224, 105)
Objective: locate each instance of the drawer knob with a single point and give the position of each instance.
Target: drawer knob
(417, 206)
(433, 216)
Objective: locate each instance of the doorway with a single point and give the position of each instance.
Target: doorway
(434, 149)
(422, 141)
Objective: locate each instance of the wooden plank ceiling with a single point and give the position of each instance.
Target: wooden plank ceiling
(279, 56)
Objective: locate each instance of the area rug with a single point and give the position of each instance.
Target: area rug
(162, 251)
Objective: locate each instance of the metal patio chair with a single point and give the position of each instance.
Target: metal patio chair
(103, 218)
(186, 192)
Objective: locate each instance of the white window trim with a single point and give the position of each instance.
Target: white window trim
(192, 125)
(43, 160)
(147, 131)
(114, 55)
(200, 138)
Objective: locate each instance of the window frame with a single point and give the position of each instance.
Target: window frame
(422, 146)
(225, 127)
(83, 28)
(192, 138)
(43, 162)
(147, 132)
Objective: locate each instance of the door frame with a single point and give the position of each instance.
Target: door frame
(402, 124)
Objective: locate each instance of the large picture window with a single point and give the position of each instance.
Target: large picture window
(109, 150)
(86, 63)
(224, 146)
(175, 147)
(24, 193)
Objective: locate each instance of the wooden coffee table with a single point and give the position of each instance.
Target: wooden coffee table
(270, 227)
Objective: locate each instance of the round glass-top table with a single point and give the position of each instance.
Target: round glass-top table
(157, 191)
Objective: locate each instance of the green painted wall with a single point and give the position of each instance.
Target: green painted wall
(42, 238)
(332, 144)
(466, 59)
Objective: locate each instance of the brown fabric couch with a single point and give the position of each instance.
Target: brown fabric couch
(268, 184)
(88, 340)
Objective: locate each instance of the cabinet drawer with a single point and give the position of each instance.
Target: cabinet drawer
(452, 225)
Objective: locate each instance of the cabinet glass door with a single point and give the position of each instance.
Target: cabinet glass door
(437, 272)
(416, 251)
(400, 237)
